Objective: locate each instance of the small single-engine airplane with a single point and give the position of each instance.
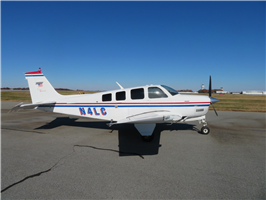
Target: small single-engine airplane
(142, 106)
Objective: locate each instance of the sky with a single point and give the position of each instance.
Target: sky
(91, 45)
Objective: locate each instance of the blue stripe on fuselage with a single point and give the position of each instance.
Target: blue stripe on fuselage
(130, 106)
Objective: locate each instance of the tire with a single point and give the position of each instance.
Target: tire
(147, 138)
(205, 130)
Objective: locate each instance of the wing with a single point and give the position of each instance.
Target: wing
(31, 105)
(151, 117)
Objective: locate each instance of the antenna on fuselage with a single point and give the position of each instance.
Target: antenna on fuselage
(119, 85)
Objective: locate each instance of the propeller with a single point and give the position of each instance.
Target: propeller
(213, 100)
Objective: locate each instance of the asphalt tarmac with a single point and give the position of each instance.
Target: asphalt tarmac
(53, 156)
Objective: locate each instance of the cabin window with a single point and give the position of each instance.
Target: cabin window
(170, 90)
(107, 97)
(155, 92)
(120, 96)
(137, 93)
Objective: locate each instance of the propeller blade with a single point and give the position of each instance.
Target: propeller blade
(210, 87)
(213, 100)
(214, 109)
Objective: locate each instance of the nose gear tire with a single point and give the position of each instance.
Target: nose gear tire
(205, 130)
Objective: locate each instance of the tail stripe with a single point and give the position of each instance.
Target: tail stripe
(33, 75)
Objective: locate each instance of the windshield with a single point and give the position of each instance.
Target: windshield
(170, 90)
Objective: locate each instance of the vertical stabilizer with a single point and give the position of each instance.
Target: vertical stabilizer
(40, 88)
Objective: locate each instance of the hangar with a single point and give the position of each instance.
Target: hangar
(254, 92)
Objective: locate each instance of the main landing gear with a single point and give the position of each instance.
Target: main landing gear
(146, 131)
(147, 138)
(205, 129)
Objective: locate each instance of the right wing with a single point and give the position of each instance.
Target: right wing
(151, 117)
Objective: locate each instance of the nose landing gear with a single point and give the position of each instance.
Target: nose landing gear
(205, 129)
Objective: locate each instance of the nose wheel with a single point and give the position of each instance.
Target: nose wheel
(205, 129)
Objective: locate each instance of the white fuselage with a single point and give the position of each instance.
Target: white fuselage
(133, 104)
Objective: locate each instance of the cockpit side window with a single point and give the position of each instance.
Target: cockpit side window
(120, 96)
(137, 93)
(155, 92)
(107, 97)
(170, 90)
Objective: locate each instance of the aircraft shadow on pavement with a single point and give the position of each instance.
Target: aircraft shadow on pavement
(130, 142)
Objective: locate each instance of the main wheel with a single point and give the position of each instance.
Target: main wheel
(205, 130)
(147, 138)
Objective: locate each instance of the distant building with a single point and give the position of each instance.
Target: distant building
(254, 92)
(187, 91)
(218, 91)
(221, 92)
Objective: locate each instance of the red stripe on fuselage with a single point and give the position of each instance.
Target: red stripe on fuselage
(133, 103)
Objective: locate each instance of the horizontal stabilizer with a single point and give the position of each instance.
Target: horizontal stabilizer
(31, 105)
